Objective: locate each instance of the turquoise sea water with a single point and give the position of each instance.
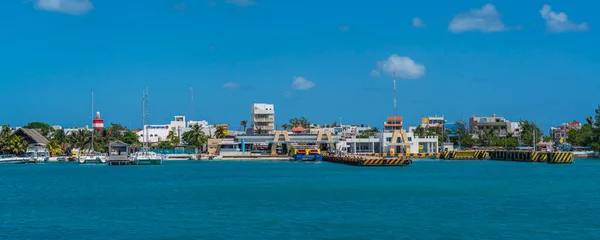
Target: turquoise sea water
(288, 200)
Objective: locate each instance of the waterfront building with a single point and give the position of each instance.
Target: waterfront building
(263, 118)
(393, 123)
(560, 134)
(159, 132)
(436, 122)
(74, 129)
(480, 125)
(384, 142)
(31, 136)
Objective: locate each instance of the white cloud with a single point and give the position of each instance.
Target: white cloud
(287, 94)
(344, 28)
(404, 67)
(559, 22)
(486, 19)
(231, 85)
(241, 3)
(73, 7)
(300, 83)
(375, 73)
(418, 22)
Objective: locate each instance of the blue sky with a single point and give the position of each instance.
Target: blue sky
(320, 59)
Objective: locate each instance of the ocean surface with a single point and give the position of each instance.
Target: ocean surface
(287, 200)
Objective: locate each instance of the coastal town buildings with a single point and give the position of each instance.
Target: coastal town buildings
(262, 118)
(560, 134)
(480, 125)
(159, 132)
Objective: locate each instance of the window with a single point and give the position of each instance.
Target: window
(409, 139)
(388, 139)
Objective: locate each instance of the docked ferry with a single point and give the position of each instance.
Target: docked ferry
(307, 154)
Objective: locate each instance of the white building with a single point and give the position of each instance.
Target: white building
(159, 133)
(263, 117)
(382, 143)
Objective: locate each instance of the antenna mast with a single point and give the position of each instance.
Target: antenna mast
(192, 92)
(146, 126)
(394, 95)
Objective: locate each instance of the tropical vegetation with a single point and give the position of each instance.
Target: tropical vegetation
(10, 142)
(195, 137)
(589, 134)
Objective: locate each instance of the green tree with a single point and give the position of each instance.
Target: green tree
(165, 145)
(17, 145)
(174, 139)
(130, 138)
(419, 131)
(527, 133)
(5, 136)
(294, 122)
(506, 142)
(368, 133)
(244, 123)
(54, 148)
(464, 137)
(115, 132)
(44, 128)
(285, 126)
(220, 133)
(195, 137)
(78, 138)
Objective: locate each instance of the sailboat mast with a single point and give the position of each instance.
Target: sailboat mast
(146, 103)
(92, 147)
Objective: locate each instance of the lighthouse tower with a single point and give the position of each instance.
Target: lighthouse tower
(98, 123)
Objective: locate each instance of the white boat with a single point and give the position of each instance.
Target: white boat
(210, 157)
(146, 157)
(92, 157)
(14, 159)
(38, 154)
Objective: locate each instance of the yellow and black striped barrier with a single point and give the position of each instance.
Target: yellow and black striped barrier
(465, 155)
(529, 156)
(368, 161)
(561, 157)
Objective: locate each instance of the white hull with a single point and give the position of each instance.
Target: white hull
(147, 158)
(91, 160)
(211, 157)
(14, 160)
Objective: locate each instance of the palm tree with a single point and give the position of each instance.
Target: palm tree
(220, 133)
(172, 138)
(285, 126)
(5, 138)
(54, 148)
(244, 123)
(195, 137)
(17, 144)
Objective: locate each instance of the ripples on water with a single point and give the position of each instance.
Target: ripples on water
(287, 200)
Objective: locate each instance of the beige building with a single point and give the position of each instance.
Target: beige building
(263, 118)
(500, 125)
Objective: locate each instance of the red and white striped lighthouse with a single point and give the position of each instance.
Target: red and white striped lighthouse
(98, 123)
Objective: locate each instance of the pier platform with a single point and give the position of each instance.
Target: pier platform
(119, 162)
(405, 155)
(358, 160)
(517, 156)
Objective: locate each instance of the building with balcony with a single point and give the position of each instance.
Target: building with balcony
(560, 134)
(480, 125)
(262, 118)
(393, 123)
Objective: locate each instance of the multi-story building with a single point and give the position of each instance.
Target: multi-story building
(433, 122)
(560, 133)
(393, 123)
(499, 125)
(263, 118)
